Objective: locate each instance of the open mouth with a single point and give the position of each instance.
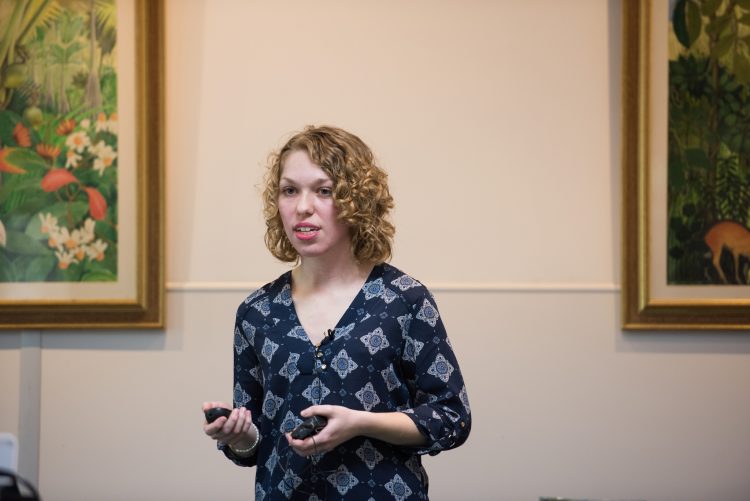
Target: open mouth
(305, 231)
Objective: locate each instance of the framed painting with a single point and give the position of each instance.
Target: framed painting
(686, 164)
(81, 164)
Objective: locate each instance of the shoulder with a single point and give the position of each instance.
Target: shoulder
(410, 290)
(259, 300)
(414, 297)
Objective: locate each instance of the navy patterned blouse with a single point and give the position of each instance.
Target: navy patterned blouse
(389, 352)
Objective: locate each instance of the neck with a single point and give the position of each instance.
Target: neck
(328, 271)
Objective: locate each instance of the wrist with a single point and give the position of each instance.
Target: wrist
(246, 447)
(363, 423)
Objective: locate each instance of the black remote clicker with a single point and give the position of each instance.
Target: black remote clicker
(309, 427)
(215, 413)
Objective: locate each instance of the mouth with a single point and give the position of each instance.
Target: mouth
(306, 231)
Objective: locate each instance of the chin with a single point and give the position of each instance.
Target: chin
(308, 253)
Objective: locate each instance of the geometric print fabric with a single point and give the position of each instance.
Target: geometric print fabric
(389, 353)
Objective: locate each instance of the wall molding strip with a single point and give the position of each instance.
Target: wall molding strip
(436, 287)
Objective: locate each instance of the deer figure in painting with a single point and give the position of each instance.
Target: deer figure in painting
(733, 237)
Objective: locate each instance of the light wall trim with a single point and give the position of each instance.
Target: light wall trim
(447, 287)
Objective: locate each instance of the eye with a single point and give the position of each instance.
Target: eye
(326, 191)
(288, 191)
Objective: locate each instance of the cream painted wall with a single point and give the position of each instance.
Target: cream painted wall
(10, 368)
(498, 122)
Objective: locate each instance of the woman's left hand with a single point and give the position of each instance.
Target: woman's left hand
(342, 425)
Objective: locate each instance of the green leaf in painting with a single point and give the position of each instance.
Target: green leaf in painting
(71, 50)
(676, 252)
(57, 53)
(39, 269)
(719, 26)
(742, 68)
(745, 4)
(723, 45)
(106, 232)
(693, 21)
(8, 121)
(27, 160)
(62, 210)
(7, 268)
(686, 22)
(696, 157)
(99, 275)
(21, 243)
(34, 228)
(676, 178)
(17, 222)
(679, 23)
(709, 7)
(18, 184)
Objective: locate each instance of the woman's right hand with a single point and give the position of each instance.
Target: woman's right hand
(234, 430)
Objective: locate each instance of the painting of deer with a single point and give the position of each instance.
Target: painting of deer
(730, 236)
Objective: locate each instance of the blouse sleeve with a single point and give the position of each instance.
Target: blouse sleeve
(441, 409)
(248, 384)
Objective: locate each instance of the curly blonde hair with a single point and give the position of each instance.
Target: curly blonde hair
(360, 192)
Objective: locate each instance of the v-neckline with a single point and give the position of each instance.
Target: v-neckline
(344, 315)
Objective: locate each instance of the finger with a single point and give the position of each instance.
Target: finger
(213, 430)
(241, 421)
(302, 451)
(247, 422)
(317, 410)
(228, 426)
(306, 447)
(297, 445)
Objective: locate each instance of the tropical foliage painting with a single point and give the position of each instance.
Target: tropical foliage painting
(58, 141)
(709, 142)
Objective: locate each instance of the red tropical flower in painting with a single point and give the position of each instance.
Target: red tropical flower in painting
(48, 151)
(66, 127)
(6, 165)
(97, 204)
(21, 135)
(56, 179)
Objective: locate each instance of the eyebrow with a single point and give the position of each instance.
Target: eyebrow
(319, 180)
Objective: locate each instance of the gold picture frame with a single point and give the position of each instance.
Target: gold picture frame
(142, 306)
(647, 303)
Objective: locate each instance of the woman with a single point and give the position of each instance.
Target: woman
(343, 336)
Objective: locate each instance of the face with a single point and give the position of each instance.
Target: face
(307, 209)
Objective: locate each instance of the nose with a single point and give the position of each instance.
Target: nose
(305, 203)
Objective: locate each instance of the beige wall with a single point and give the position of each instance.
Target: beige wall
(499, 124)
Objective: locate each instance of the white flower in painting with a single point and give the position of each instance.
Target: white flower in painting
(94, 148)
(64, 238)
(65, 259)
(113, 123)
(96, 250)
(49, 223)
(85, 123)
(105, 156)
(3, 236)
(55, 239)
(87, 231)
(104, 124)
(72, 159)
(78, 141)
(101, 122)
(80, 252)
(77, 237)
